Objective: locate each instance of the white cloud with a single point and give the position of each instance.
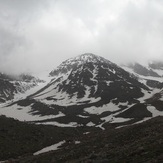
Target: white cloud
(38, 35)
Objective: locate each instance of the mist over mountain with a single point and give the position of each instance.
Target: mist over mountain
(38, 35)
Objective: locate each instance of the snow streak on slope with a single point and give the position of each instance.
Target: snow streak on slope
(50, 148)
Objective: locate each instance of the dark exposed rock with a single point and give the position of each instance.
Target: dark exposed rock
(141, 70)
(13, 84)
(136, 111)
(154, 84)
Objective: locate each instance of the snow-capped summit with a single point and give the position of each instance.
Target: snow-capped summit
(87, 78)
(88, 90)
(67, 65)
(89, 57)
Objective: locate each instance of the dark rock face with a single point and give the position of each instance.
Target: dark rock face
(95, 76)
(11, 85)
(7, 90)
(154, 84)
(136, 111)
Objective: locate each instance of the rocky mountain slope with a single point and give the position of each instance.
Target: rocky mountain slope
(11, 85)
(88, 90)
(150, 74)
(88, 77)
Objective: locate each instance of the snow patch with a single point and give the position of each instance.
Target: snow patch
(83, 116)
(23, 113)
(154, 111)
(147, 94)
(71, 124)
(77, 142)
(99, 110)
(113, 119)
(90, 124)
(50, 148)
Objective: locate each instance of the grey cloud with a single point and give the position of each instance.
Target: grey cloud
(38, 34)
(136, 35)
(9, 41)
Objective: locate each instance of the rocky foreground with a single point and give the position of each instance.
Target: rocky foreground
(138, 143)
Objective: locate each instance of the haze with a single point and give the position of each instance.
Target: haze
(37, 35)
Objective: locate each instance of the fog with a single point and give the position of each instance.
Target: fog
(37, 35)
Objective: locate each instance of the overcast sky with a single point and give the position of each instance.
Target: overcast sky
(37, 35)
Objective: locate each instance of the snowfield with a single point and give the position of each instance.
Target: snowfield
(23, 113)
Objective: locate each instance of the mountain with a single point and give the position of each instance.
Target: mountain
(89, 77)
(87, 91)
(141, 70)
(92, 110)
(151, 74)
(11, 85)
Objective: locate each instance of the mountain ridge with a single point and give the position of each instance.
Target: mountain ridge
(73, 62)
(94, 92)
(11, 85)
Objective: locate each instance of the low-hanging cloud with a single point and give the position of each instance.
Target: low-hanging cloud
(38, 35)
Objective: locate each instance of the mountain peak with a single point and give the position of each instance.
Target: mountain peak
(87, 78)
(72, 63)
(87, 57)
(90, 57)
